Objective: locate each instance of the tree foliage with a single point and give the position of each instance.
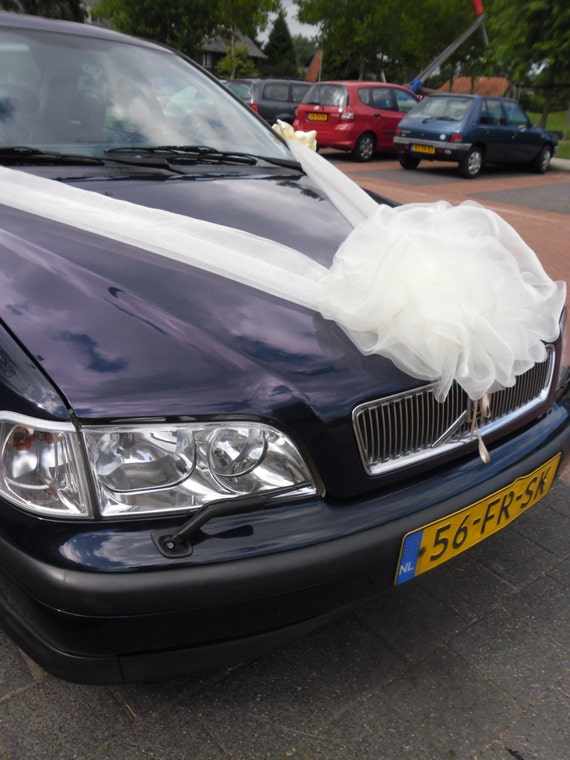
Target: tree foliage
(242, 16)
(70, 10)
(392, 38)
(281, 55)
(241, 66)
(182, 24)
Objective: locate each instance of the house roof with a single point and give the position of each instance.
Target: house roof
(218, 44)
(494, 86)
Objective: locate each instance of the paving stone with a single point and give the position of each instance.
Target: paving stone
(511, 655)
(564, 684)
(548, 528)
(261, 710)
(176, 734)
(559, 497)
(466, 586)
(372, 730)
(543, 605)
(453, 704)
(543, 732)
(145, 700)
(513, 556)
(345, 662)
(54, 719)
(561, 572)
(408, 611)
(497, 751)
(14, 673)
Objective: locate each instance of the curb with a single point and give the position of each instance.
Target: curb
(561, 164)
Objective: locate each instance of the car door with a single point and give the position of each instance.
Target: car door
(274, 101)
(493, 131)
(526, 142)
(385, 115)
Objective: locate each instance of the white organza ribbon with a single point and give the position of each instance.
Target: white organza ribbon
(445, 292)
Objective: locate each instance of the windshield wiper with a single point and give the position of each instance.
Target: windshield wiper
(189, 153)
(21, 154)
(26, 154)
(202, 154)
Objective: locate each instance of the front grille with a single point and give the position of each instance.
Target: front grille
(405, 428)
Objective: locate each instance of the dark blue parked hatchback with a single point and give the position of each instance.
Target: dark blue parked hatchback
(194, 468)
(473, 130)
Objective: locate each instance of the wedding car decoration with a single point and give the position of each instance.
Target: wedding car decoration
(238, 393)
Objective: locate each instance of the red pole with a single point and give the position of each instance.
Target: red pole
(478, 5)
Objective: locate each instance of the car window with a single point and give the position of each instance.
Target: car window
(443, 108)
(381, 97)
(327, 95)
(492, 112)
(515, 114)
(276, 91)
(298, 91)
(241, 89)
(405, 101)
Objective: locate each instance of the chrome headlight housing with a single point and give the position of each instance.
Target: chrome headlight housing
(144, 469)
(42, 467)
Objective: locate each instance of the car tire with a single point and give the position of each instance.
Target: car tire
(365, 147)
(542, 161)
(471, 165)
(408, 162)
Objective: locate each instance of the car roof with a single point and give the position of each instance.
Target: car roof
(361, 83)
(22, 21)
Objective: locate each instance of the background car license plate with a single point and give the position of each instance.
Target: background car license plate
(318, 116)
(439, 541)
(423, 148)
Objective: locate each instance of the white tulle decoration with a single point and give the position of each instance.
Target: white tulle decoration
(446, 292)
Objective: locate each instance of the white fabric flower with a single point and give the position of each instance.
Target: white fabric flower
(288, 133)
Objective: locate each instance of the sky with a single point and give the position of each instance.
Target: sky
(294, 26)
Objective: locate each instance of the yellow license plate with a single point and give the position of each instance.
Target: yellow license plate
(430, 546)
(423, 148)
(317, 116)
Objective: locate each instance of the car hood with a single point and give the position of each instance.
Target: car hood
(125, 333)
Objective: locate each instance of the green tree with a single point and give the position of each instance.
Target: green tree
(281, 57)
(70, 10)
(305, 50)
(532, 38)
(241, 66)
(392, 38)
(239, 15)
(182, 24)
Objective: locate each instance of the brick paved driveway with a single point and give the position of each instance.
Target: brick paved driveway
(470, 661)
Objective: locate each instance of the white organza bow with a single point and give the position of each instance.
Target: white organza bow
(447, 293)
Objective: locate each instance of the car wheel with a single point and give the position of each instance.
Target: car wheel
(365, 147)
(472, 164)
(408, 162)
(542, 161)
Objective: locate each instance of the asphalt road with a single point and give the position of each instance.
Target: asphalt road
(470, 661)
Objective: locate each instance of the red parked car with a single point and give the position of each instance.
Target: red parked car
(357, 116)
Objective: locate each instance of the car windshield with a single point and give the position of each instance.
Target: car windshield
(327, 95)
(442, 108)
(87, 95)
(242, 89)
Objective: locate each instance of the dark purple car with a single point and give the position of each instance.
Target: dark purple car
(193, 470)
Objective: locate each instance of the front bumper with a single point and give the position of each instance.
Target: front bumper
(123, 625)
(432, 150)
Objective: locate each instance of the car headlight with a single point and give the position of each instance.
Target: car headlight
(144, 469)
(41, 467)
